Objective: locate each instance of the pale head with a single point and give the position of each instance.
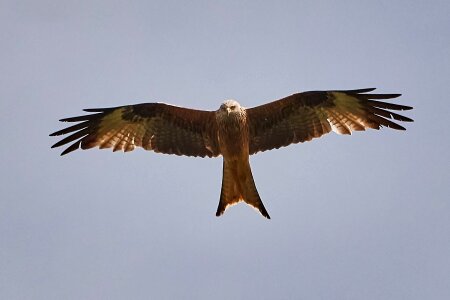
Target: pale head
(229, 107)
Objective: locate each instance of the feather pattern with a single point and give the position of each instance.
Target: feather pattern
(153, 126)
(304, 116)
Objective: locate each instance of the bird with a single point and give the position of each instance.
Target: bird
(233, 131)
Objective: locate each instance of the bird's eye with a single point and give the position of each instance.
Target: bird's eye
(233, 107)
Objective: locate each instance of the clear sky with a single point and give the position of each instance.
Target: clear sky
(359, 217)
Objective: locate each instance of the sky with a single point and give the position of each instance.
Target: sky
(365, 216)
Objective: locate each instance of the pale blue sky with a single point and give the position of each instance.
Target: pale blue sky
(360, 217)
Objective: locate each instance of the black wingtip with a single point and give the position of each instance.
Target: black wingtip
(390, 96)
(360, 91)
(101, 110)
(394, 126)
(71, 148)
(94, 109)
(68, 120)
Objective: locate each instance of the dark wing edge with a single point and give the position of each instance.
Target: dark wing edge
(153, 126)
(304, 116)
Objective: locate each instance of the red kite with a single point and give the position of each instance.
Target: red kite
(232, 131)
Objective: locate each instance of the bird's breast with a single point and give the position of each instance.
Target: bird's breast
(233, 137)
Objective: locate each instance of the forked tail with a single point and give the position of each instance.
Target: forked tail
(238, 185)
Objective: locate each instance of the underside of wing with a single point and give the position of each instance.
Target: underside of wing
(304, 116)
(153, 126)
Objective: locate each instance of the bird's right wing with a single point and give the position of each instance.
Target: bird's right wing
(153, 126)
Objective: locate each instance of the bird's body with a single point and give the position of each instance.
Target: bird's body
(237, 179)
(232, 131)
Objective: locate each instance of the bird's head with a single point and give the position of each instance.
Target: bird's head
(229, 107)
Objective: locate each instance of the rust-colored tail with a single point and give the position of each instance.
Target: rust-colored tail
(238, 185)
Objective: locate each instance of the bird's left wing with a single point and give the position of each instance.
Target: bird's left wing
(153, 126)
(304, 116)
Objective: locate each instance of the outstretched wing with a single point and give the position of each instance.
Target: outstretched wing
(153, 126)
(304, 116)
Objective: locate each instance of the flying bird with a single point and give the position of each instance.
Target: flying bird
(232, 131)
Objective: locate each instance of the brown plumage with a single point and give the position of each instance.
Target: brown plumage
(232, 131)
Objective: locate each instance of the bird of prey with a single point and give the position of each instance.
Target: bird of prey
(232, 131)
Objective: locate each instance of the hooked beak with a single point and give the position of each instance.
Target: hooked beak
(228, 111)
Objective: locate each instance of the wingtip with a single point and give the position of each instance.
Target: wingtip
(361, 91)
(65, 152)
(100, 110)
(394, 126)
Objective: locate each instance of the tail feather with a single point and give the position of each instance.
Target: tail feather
(229, 195)
(238, 185)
